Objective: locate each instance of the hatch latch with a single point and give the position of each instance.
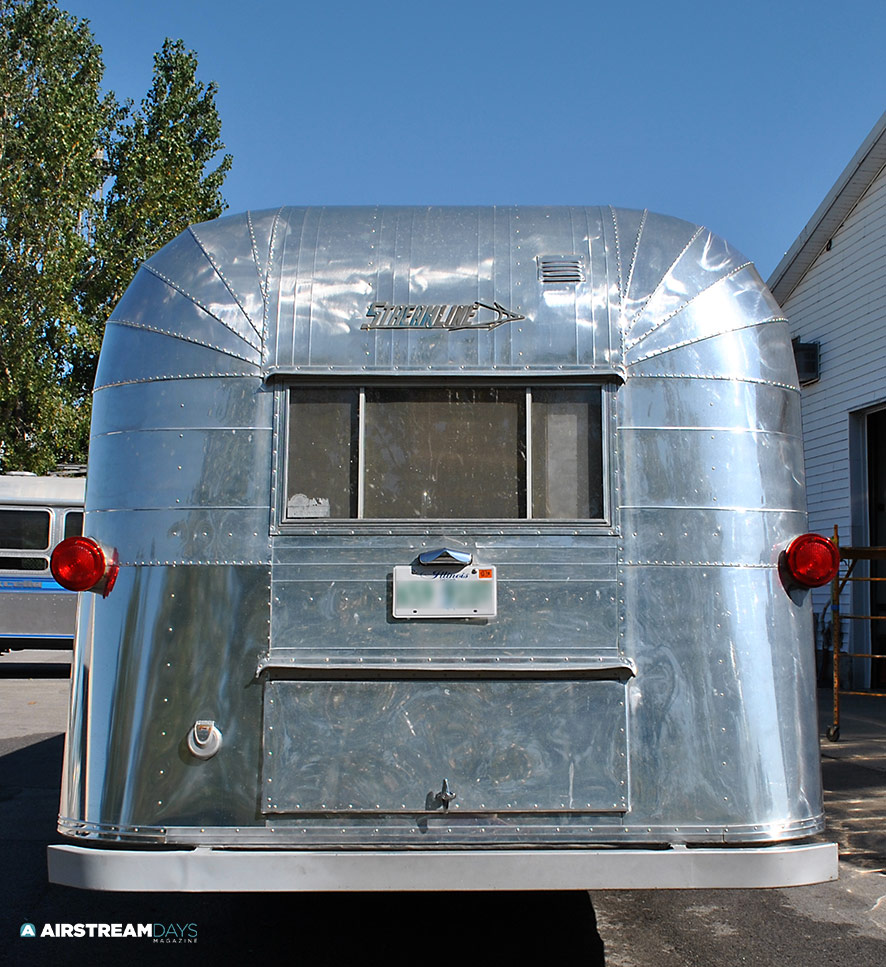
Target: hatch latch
(445, 796)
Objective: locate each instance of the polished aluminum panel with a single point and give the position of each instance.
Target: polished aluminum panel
(311, 275)
(738, 301)
(183, 404)
(187, 266)
(243, 251)
(759, 354)
(688, 402)
(394, 746)
(722, 693)
(183, 465)
(661, 288)
(651, 251)
(168, 647)
(734, 442)
(712, 536)
(135, 354)
(187, 535)
(737, 469)
(556, 600)
(152, 304)
(337, 262)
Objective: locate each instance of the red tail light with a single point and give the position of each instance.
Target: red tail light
(82, 564)
(813, 560)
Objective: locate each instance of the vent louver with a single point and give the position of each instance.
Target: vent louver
(561, 268)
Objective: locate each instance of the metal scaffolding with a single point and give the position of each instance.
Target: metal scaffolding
(850, 555)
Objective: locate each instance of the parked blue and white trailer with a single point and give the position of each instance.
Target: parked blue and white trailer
(36, 513)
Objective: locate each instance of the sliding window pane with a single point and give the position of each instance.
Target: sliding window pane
(456, 453)
(567, 454)
(24, 529)
(322, 469)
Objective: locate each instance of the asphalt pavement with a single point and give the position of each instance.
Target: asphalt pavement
(839, 924)
(828, 925)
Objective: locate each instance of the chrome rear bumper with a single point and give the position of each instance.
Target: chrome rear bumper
(227, 870)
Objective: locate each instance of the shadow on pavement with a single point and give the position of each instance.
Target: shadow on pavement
(416, 928)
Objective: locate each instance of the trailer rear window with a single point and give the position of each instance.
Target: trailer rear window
(438, 452)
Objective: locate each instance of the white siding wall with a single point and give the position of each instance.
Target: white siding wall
(841, 304)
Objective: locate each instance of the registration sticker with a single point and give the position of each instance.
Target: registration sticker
(467, 592)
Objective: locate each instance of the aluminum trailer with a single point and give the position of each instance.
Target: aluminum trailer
(445, 549)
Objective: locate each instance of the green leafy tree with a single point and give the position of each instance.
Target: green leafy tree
(88, 189)
(161, 179)
(52, 122)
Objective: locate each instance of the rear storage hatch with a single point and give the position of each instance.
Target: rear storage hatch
(462, 745)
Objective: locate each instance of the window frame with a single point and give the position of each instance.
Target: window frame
(283, 525)
(41, 550)
(9, 554)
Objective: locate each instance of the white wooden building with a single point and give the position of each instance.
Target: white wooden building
(832, 287)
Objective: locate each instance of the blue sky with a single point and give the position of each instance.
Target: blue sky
(738, 116)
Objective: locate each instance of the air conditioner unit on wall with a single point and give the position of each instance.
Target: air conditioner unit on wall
(806, 356)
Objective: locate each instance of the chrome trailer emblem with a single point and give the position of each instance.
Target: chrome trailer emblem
(384, 315)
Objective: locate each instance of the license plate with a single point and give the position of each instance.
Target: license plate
(468, 592)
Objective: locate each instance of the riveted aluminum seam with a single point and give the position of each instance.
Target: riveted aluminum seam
(439, 830)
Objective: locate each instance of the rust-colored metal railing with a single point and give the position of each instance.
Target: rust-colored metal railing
(851, 555)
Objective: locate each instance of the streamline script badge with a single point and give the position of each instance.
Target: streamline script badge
(383, 315)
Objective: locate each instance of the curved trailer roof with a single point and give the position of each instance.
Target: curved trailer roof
(542, 290)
